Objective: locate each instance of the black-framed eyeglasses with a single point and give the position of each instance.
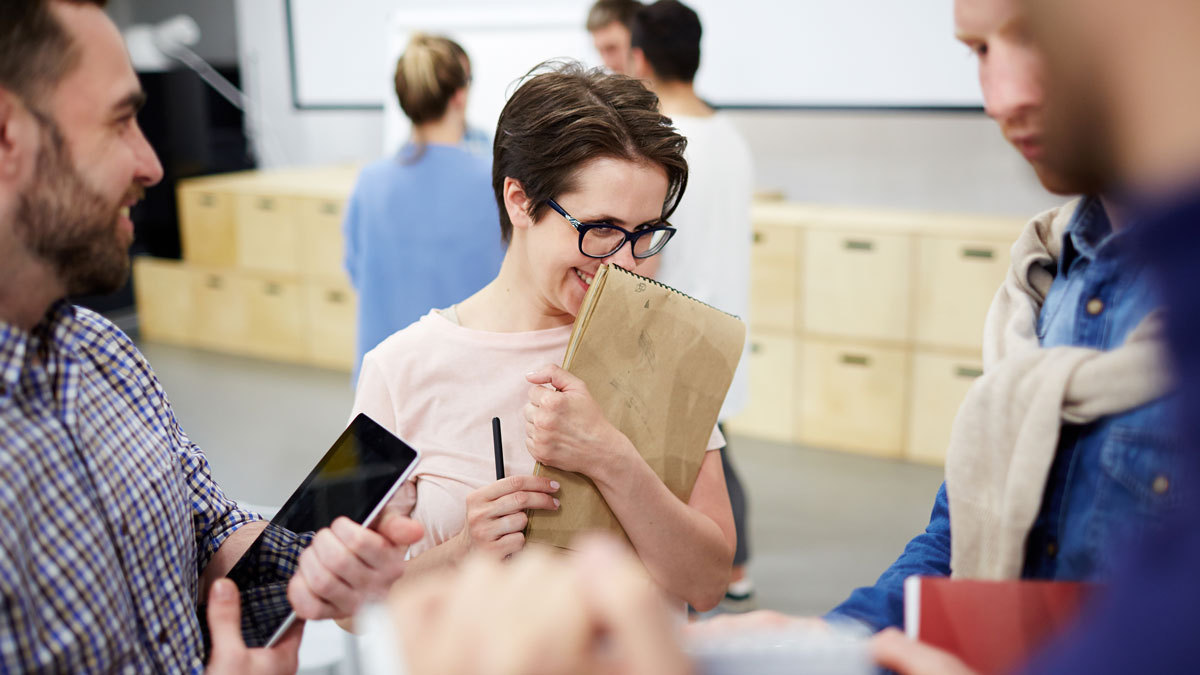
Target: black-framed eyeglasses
(600, 240)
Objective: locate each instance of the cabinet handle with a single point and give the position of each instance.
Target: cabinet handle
(207, 199)
(213, 281)
(759, 237)
(336, 297)
(755, 348)
(969, 372)
(266, 204)
(856, 360)
(859, 245)
(330, 208)
(978, 253)
(272, 288)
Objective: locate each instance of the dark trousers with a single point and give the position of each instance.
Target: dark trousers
(737, 499)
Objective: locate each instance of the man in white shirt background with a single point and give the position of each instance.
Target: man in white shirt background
(710, 257)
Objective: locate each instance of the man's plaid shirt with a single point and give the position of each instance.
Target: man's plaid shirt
(108, 513)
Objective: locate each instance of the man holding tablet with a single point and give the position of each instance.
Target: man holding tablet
(111, 527)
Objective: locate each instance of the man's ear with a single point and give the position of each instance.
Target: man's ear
(459, 99)
(638, 66)
(18, 136)
(517, 204)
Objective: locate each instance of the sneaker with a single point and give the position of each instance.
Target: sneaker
(739, 597)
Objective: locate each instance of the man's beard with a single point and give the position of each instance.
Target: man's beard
(66, 224)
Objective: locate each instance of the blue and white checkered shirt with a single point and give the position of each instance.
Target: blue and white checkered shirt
(108, 513)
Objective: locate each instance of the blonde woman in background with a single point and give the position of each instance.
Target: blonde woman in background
(420, 226)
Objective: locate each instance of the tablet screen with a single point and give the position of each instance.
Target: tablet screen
(358, 474)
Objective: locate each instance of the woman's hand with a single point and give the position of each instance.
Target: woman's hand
(564, 426)
(496, 514)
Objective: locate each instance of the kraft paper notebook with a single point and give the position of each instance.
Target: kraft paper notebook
(659, 363)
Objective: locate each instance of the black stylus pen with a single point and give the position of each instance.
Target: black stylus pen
(499, 448)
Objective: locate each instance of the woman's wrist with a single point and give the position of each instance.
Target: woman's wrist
(614, 463)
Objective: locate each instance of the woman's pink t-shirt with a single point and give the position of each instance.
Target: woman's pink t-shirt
(437, 385)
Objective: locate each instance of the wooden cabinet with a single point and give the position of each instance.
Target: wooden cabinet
(771, 407)
(268, 237)
(939, 385)
(262, 272)
(164, 298)
(856, 284)
(332, 317)
(774, 278)
(206, 225)
(275, 321)
(221, 311)
(322, 247)
(956, 281)
(852, 396)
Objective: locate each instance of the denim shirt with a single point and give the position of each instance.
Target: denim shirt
(1110, 479)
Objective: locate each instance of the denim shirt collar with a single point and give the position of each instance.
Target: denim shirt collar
(1089, 235)
(16, 344)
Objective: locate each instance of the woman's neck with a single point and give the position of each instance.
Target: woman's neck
(449, 130)
(509, 304)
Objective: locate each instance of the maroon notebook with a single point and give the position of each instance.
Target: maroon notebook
(993, 626)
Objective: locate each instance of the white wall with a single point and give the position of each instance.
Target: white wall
(294, 137)
(901, 159)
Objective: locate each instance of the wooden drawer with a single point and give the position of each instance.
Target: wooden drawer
(221, 310)
(956, 281)
(774, 278)
(856, 285)
(268, 237)
(322, 246)
(852, 397)
(206, 226)
(277, 318)
(332, 320)
(771, 409)
(939, 385)
(164, 300)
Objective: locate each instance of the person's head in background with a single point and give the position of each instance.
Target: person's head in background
(597, 146)
(432, 80)
(72, 157)
(1012, 74)
(665, 44)
(1124, 95)
(608, 21)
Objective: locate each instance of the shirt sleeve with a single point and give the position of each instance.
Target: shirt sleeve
(214, 516)
(372, 396)
(928, 554)
(716, 440)
(350, 235)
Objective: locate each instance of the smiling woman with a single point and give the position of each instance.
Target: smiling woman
(586, 171)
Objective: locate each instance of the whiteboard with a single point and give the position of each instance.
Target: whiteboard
(787, 53)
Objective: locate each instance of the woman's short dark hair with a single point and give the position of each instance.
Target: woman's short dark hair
(563, 116)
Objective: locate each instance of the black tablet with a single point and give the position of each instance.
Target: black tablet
(355, 479)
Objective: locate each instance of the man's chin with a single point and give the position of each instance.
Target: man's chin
(1060, 182)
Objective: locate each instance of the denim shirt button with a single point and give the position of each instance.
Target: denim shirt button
(1095, 306)
(1052, 549)
(1161, 485)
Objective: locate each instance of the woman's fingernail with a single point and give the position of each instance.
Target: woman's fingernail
(223, 589)
(554, 485)
(556, 503)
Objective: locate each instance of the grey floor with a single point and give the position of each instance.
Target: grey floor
(821, 522)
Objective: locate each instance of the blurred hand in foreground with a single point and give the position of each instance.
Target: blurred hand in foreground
(595, 612)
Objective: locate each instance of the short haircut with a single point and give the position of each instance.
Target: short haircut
(428, 74)
(605, 12)
(563, 116)
(35, 50)
(668, 33)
